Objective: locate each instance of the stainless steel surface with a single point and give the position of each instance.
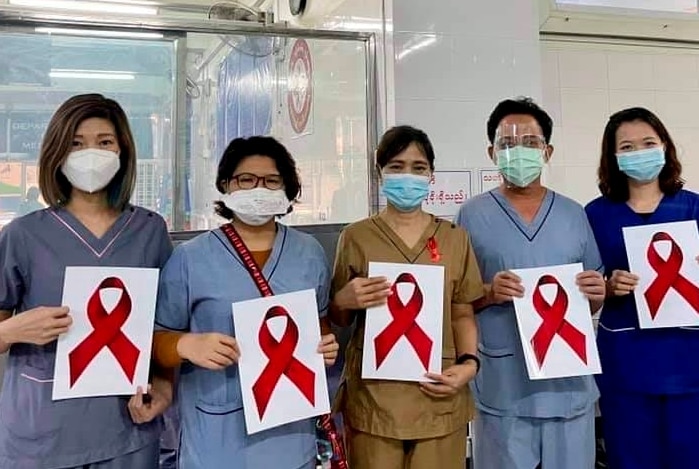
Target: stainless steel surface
(372, 122)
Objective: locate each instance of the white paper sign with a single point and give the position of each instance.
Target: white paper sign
(107, 350)
(663, 256)
(448, 190)
(490, 179)
(555, 324)
(282, 375)
(403, 338)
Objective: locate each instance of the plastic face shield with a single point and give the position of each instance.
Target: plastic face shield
(519, 152)
(509, 136)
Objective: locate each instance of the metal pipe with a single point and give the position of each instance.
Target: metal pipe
(180, 135)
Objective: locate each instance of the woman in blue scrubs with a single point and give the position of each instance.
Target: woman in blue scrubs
(650, 382)
(87, 173)
(204, 276)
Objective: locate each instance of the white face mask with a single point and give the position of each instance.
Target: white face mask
(257, 206)
(90, 170)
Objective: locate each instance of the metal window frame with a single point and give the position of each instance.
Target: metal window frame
(176, 29)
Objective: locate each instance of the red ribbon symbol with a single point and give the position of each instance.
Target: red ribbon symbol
(432, 246)
(403, 324)
(668, 276)
(554, 322)
(106, 333)
(281, 362)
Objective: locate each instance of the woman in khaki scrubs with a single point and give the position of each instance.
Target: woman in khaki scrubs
(394, 424)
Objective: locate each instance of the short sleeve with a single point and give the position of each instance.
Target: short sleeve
(14, 262)
(172, 310)
(164, 244)
(342, 267)
(460, 218)
(323, 288)
(470, 288)
(591, 257)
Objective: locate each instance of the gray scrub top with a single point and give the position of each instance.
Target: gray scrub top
(559, 234)
(199, 283)
(36, 432)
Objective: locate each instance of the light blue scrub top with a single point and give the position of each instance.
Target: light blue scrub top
(559, 234)
(199, 283)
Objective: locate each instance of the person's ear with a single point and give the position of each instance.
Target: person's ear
(491, 154)
(548, 152)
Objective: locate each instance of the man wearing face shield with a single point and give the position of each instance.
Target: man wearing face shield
(522, 224)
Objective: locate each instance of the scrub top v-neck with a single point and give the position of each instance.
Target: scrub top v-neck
(200, 282)
(34, 253)
(558, 234)
(619, 338)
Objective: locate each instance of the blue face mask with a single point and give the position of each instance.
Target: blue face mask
(405, 191)
(642, 165)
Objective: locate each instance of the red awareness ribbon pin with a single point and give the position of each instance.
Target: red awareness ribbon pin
(281, 362)
(404, 324)
(432, 246)
(554, 323)
(668, 276)
(106, 333)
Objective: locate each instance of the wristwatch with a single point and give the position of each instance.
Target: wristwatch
(464, 357)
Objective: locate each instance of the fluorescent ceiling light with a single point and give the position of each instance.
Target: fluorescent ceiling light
(101, 7)
(91, 74)
(98, 32)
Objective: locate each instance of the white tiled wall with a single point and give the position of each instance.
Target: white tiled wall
(583, 84)
(454, 60)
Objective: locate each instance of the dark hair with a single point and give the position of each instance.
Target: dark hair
(521, 105)
(241, 148)
(397, 139)
(613, 184)
(58, 141)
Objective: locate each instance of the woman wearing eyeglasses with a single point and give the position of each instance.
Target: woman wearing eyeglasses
(258, 180)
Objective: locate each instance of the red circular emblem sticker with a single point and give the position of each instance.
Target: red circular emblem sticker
(300, 86)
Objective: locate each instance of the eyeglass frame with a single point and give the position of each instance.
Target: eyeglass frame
(256, 183)
(536, 141)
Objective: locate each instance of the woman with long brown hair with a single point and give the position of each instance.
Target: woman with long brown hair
(650, 382)
(87, 173)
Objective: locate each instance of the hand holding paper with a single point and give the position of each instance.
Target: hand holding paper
(37, 326)
(451, 381)
(329, 348)
(363, 293)
(212, 350)
(505, 287)
(622, 282)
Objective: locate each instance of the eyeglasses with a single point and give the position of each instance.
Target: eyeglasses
(528, 141)
(251, 181)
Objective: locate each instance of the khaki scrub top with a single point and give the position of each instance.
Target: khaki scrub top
(395, 409)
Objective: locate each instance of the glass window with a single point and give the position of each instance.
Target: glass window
(40, 71)
(310, 93)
